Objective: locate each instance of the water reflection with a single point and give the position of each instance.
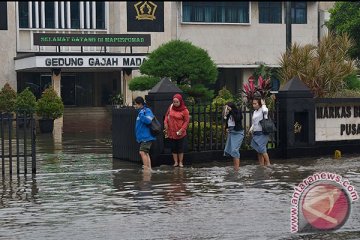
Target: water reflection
(81, 192)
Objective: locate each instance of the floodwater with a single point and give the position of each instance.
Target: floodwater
(80, 192)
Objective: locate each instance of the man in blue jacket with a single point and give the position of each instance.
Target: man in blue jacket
(142, 131)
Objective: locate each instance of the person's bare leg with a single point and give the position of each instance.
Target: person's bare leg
(181, 158)
(144, 159)
(149, 161)
(266, 159)
(176, 160)
(236, 164)
(261, 159)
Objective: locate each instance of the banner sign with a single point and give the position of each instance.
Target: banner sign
(145, 16)
(337, 122)
(79, 62)
(59, 39)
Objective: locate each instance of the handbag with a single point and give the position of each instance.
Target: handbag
(267, 125)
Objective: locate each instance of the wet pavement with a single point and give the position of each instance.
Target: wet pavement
(80, 192)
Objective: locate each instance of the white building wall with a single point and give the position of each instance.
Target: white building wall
(246, 44)
(8, 49)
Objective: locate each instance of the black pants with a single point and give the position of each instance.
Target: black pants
(177, 145)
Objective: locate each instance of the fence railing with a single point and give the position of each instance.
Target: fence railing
(206, 129)
(18, 137)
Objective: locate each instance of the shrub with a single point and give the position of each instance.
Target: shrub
(352, 82)
(221, 99)
(206, 127)
(117, 99)
(50, 105)
(261, 90)
(346, 93)
(143, 83)
(7, 99)
(26, 101)
(322, 68)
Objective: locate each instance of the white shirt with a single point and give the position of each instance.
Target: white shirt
(231, 122)
(257, 117)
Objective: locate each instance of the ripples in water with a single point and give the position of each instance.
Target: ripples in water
(83, 195)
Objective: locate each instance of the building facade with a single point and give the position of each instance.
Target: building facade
(239, 36)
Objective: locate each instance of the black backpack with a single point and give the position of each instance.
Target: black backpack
(155, 127)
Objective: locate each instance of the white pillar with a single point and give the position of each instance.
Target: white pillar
(81, 15)
(36, 14)
(87, 14)
(42, 14)
(68, 18)
(93, 15)
(30, 12)
(56, 15)
(62, 14)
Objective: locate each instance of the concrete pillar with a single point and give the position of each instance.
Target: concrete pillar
(127, 76)
(58, 123)
(56, 80)
(296, 108)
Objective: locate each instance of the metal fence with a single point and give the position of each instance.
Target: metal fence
(206, 129)
(17, 136)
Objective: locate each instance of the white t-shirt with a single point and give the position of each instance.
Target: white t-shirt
(231, 122)
(257, 117)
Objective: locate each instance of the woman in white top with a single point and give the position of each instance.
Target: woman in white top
(259, 139)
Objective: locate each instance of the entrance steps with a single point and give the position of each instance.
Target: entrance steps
(87, 119)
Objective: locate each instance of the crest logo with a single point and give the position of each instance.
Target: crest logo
(145, 10)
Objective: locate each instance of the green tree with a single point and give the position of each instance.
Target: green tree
(189, 66)
(345, 18)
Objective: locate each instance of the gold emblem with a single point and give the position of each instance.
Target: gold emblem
(145, 10)
(297, 127)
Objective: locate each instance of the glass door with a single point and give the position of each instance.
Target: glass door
(68, 91)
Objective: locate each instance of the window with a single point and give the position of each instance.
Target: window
(46, 11)
(299, 12)
(3, 16)
(216, 12)
(270, 12)
(24, 14)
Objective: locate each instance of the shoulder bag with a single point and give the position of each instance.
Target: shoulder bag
(267, 125)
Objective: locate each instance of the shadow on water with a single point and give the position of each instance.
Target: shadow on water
(81, 192)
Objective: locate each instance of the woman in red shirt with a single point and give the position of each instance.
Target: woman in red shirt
(176, 122)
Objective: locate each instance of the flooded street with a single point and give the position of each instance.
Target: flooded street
(80, 192)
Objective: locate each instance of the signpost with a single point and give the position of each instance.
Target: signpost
(59, 39)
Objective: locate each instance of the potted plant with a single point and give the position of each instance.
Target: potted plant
(7, 101)
(49, 107)
(25, 106)
(117, 100)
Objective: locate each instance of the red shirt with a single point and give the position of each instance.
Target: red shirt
(175, 121)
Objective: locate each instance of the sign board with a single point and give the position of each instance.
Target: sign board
(79, 62)
(145, 16)
(335, 122)
(59, 39)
